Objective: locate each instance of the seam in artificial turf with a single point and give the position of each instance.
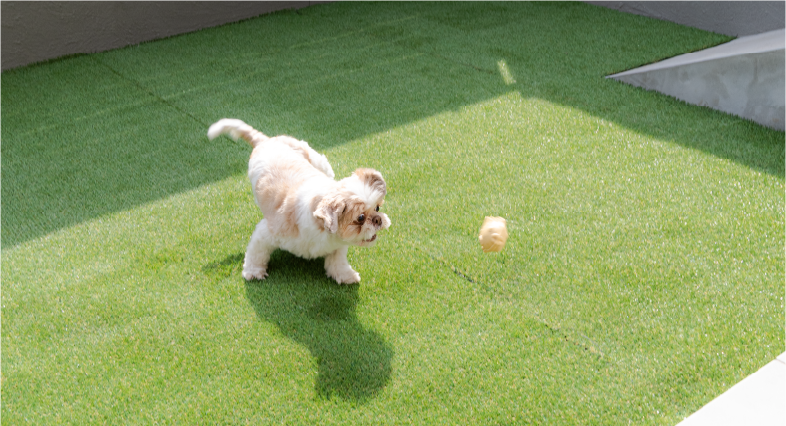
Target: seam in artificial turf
(150, 92)
(590, 349)
(475, 67)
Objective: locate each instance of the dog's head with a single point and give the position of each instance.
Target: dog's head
(352, 211)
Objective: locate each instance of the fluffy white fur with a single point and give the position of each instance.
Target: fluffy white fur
(306, 211)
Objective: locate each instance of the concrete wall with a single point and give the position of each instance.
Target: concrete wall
(744, 77)
(734, 18)
(35, 31)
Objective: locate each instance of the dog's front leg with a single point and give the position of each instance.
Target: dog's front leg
(258, 253)
(338, 268)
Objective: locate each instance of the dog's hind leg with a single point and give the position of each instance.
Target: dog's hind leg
(337, 267)
(258, 253)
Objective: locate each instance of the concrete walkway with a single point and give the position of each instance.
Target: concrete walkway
(744, 77)
(759, 399)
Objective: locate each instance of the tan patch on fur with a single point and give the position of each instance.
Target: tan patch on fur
(326, 211)
(373, 179)
(349, 228)
(315, 203)
(253, 136)
(338, 211)
(276, 192)
(298, 146)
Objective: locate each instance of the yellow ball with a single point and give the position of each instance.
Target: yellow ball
(493, 234)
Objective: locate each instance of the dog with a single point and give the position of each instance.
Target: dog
(305, 210)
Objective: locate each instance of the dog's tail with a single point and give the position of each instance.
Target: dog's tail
(236, 129)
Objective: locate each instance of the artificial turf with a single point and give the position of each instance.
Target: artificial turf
(643, 275)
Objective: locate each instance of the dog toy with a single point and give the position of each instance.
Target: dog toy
(493, 234)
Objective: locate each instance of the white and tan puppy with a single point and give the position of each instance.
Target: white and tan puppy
(306, 211)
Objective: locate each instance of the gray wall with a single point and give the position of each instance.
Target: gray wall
(734, 18)
(36, 31)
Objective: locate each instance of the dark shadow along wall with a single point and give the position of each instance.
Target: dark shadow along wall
(35, 31)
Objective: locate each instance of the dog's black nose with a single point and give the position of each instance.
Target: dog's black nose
(377, 221)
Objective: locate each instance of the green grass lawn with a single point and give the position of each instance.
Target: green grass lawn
(643, 275)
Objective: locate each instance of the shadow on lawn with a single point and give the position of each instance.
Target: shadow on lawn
(123, 128)
(354, 362)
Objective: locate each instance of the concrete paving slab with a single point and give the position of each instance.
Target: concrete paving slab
(744, 77)
(759, 399)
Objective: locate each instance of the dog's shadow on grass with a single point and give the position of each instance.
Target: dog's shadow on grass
(353, 361)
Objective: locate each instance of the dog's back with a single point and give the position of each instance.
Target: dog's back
(277, 169)
(237, 129)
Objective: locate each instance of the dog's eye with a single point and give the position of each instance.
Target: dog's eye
(377, 209)
(362, 218)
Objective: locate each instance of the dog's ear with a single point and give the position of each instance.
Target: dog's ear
(326, 211)
(373, 179)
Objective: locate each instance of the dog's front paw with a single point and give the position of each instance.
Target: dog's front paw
(346, 276)
(254, 273)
